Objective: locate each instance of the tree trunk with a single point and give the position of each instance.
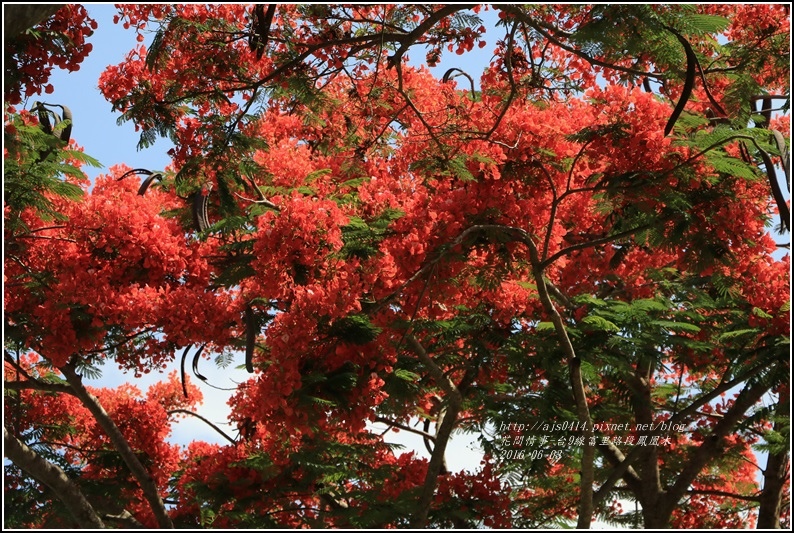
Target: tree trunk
(703, 454)
(775, 474)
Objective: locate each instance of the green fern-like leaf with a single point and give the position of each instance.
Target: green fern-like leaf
(676, 326)
(600, 323)
(355, 329)
(701, 24)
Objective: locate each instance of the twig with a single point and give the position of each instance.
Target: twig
(392, 423)
(210, 424)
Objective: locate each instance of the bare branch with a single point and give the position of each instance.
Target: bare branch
(213, 426)
(392, 423)
(126, 518)
(726, 494)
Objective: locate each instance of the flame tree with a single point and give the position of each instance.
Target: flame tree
(567, 254)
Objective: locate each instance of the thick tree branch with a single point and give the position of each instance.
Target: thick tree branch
(622, 464)
(623, 470)
(577, 384)
(407, 40)
(710, 447)
(120, 443)
(56, 479)
(38, 385)
(587, 476)
(776, 474)
(644, 414)
(18, 18)
(125, 518)
(454, 401)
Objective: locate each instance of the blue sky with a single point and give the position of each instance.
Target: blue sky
(94, 125)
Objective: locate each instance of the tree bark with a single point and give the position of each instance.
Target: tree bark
(454, 401)
(775, 475)
(587, 472)
(55, 478)
(18, 18)
(659, 516)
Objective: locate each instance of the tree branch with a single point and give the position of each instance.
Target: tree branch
(776, 473)
(392, 423)
(38, 385)
(520, 15)
(587, 475)
(454, 401)
(592, 243)
(623, 469)
(406, 41)
(19, 18)
(717, 391)
(710, 446)
(126, 518)
(120, 443)
(30, 381)
(726, 494)
(56, 479)
(210, 424)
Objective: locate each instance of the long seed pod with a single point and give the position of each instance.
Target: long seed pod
(777, 194)
(453, 73)
(689, 82)
(200, 202)
(784, 156)
(196, 362)
(134, 171)
(148, 181)
(426, 428)
(66, 133)
(182, 368)
(44, 115)
(250, 338)
(48, 121)
(152, 175)
(765, 112)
